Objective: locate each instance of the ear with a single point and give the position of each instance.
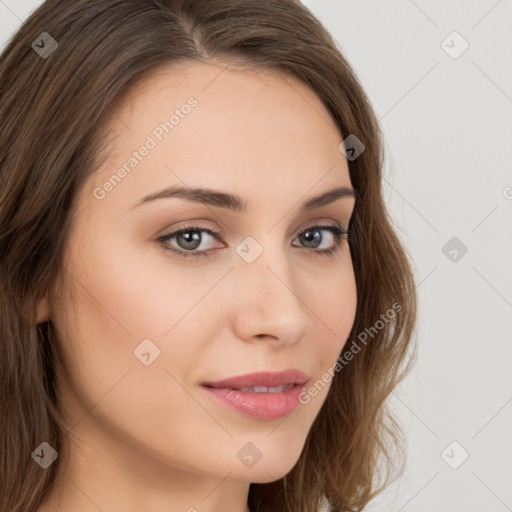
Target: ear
(43, 310)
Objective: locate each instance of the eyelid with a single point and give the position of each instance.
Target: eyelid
(198, 226)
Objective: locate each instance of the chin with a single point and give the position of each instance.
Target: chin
(266, 471)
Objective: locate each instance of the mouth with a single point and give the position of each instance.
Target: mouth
(258, 402)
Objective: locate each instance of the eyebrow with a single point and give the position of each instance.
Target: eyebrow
(234, 202)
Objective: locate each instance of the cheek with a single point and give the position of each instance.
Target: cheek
(123, 294)
(133, 291)
(334, 305)
(116, 304)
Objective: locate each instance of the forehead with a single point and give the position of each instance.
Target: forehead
(259, 100)
(223, 126)
(220, 83)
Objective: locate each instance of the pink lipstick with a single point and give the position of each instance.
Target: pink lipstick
(262, 395)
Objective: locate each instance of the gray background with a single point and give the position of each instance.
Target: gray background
(448, 128)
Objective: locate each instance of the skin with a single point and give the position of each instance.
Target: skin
(147, 438)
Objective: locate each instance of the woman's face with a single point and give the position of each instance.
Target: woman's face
(147, 327)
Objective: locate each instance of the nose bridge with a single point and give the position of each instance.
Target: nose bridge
(266, 297)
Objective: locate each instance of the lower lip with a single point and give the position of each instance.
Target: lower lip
(265, 406)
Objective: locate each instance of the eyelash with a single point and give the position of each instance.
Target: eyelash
(339, 235)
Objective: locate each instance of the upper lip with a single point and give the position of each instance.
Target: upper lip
(266, 379)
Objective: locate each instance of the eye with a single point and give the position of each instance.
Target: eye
(186, 241)
(312, 238)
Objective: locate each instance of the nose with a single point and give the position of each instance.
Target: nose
(268, 301)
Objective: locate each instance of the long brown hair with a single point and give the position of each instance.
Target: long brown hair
(55, 100)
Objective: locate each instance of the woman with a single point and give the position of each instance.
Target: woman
(204, 303)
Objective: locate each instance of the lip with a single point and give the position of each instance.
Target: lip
(268, 379)
(261, 405)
